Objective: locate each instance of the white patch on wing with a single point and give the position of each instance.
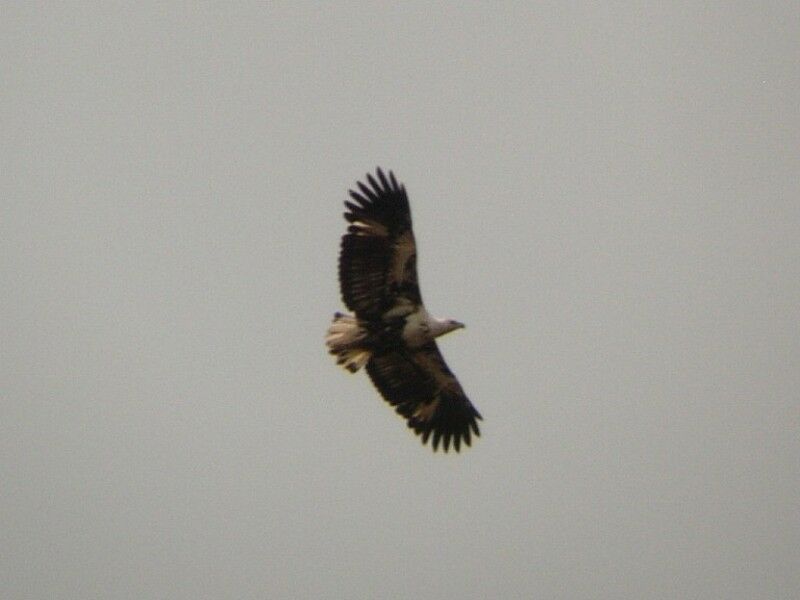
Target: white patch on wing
(426, 410)
(404, 248)
(403, 308)
(370, 227)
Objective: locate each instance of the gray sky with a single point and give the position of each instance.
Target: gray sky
(608, 195)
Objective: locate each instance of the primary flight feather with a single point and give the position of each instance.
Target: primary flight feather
(391, 333)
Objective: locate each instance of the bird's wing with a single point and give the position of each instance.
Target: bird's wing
(377, 263)
(418, 383)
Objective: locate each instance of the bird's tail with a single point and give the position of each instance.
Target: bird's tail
(345, 339)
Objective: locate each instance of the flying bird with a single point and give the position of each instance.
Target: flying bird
(391, 332)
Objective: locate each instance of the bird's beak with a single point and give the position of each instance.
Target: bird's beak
(457, 325)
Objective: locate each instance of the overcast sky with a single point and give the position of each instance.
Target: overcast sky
(608, 195)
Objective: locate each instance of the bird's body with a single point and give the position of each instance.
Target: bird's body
(391, 332)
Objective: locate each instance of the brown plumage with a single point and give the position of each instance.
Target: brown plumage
(391, 333)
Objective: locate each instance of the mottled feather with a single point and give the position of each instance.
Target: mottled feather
(422, 389)
(378, 277)
(377, 263)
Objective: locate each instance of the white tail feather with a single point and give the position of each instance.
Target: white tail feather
(343, 340)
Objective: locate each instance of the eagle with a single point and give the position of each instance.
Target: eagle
(391, 333)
